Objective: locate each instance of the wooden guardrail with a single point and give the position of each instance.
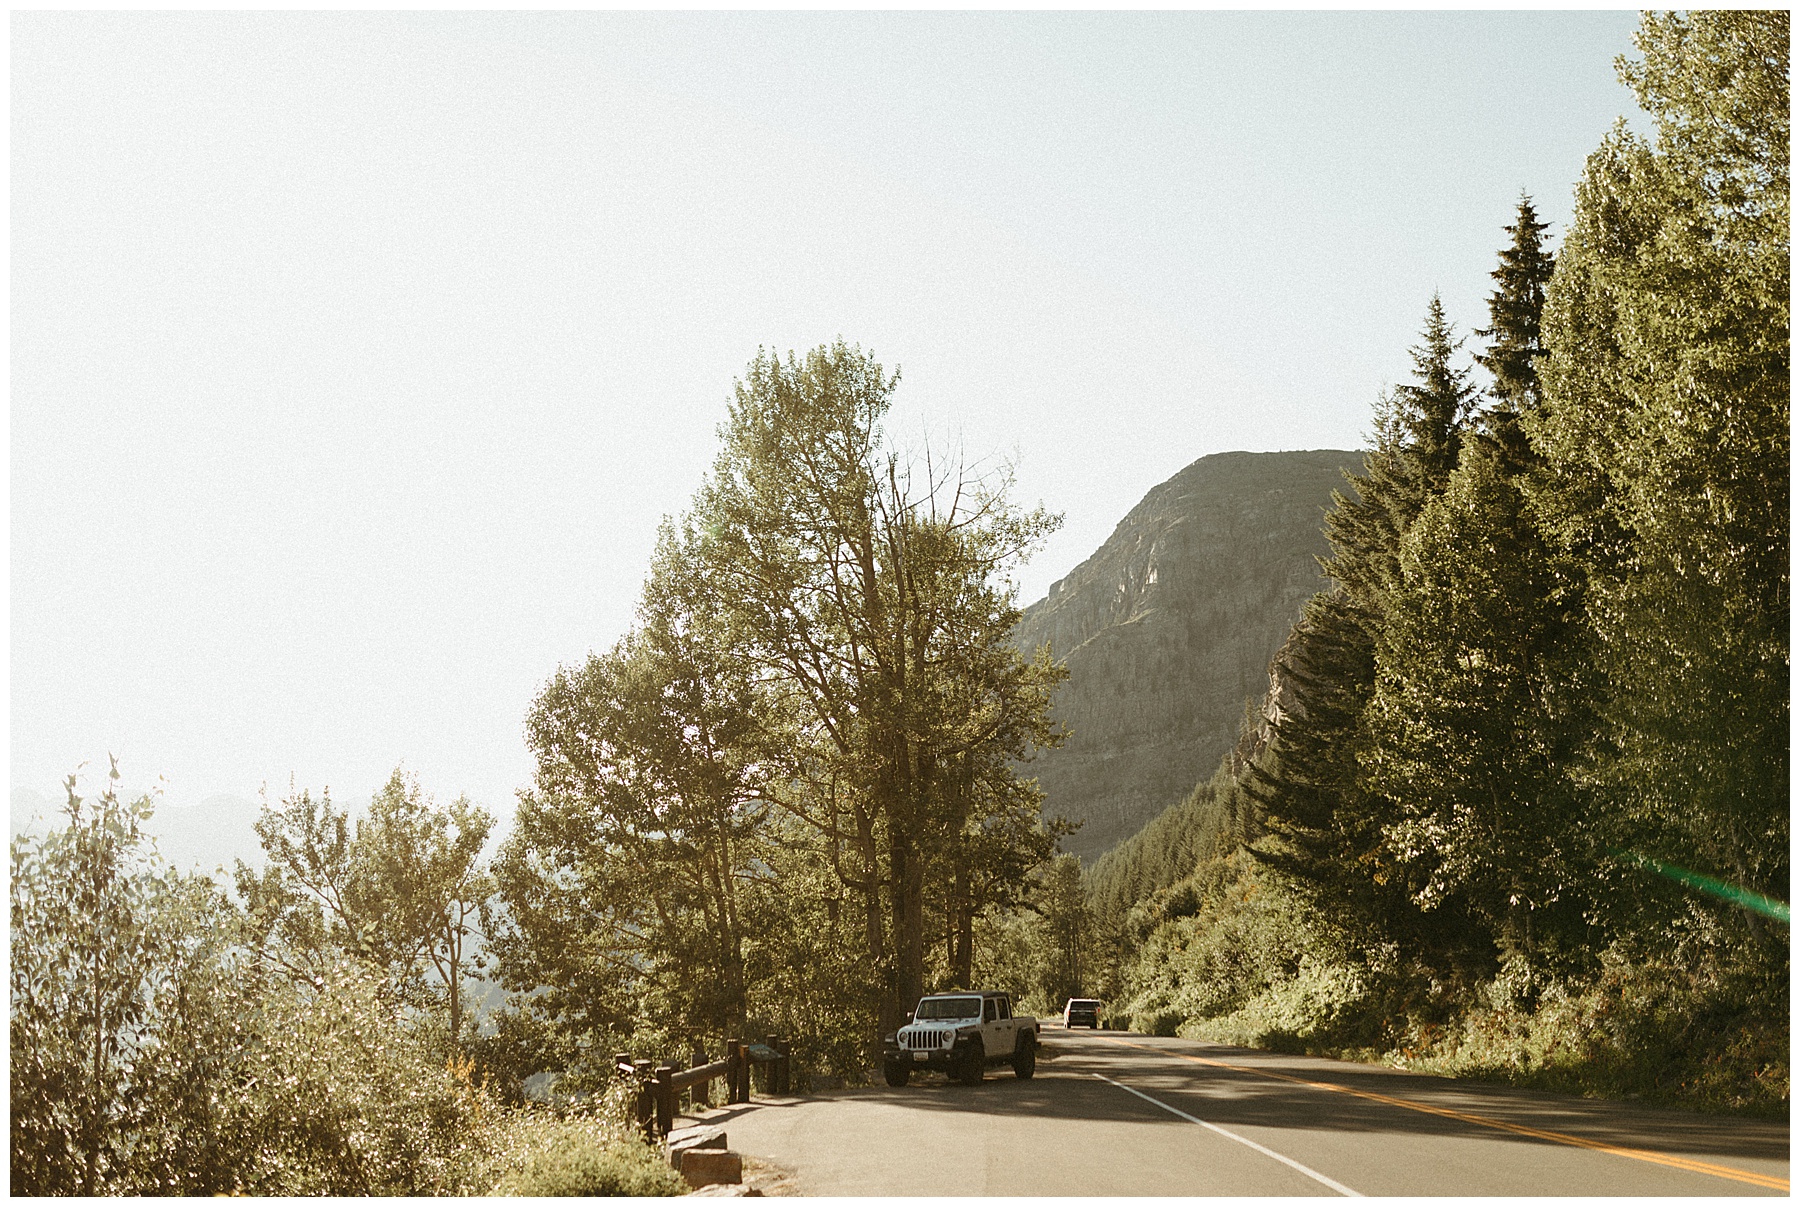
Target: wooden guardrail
(659, 1085)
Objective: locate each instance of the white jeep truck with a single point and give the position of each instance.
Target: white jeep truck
(962, 1034)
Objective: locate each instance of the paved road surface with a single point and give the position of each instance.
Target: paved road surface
(1122, 1114)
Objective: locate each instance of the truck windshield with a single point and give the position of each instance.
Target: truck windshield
(949, 1007)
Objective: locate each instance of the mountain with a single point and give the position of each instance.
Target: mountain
(1168, 630)
(218, 831)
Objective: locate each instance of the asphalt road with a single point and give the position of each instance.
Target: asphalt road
(1112, 1113)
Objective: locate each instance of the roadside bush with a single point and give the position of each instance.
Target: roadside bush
(122, 991)
(1229, 956)
(1683, 1036)
(592, 1153)
(335, 1094)
(1322, 1002)
(152, 1051)
(1232, 957)
(1157, 1022)
(156, 1048)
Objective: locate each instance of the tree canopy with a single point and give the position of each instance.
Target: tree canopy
(1535, 734)
(812, 734)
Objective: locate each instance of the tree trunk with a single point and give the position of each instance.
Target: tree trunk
(962, 933)
(100, 1096)
(875, 930)
(731, 940)
(455, 995)
(907, 891)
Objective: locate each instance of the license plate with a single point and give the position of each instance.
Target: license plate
(918, 1056)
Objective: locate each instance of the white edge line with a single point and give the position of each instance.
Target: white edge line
(1314, 1174)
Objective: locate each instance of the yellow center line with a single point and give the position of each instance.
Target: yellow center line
(1637, 1154)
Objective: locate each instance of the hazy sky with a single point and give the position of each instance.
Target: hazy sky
(355, 357)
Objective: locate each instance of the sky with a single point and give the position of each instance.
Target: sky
(356, 357)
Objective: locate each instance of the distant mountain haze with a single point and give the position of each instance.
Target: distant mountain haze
(217, 832)
(1168, 630)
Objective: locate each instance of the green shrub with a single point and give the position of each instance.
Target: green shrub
(1157, 1022)
(153, 1052)
(1716, 1039)
(1252, 966)
(336, 1094)
(124, 983)
(550, 1156)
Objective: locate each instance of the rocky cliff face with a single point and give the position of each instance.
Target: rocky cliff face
(1168, 630)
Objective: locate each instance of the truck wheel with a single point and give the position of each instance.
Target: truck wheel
(974, 1063)
(1024, 1061)
(895, 1073)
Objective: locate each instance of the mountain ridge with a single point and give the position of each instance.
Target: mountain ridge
(1168, 628)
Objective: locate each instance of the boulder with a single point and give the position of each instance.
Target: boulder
(699, 1135)
(709, 1166)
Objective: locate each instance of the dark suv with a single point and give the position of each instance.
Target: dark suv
(1082, 1012)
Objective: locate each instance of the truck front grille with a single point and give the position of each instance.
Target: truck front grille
(925, 1041)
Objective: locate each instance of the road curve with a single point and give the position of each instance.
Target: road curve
(1114, 1113)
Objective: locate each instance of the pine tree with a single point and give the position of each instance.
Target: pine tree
(1433, 413)
(1328, 831)
(1477, 709)
(1515, 312)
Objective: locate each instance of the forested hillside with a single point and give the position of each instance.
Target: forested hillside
(1521, 804)
(1167, 631)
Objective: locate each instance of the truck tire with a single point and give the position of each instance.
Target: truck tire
(974, 1064)
(1024, 1061)
(895, 1073)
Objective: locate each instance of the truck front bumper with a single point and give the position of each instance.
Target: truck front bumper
(938, 1060)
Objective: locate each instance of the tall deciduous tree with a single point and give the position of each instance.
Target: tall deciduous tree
(403, 891)
(420, 871)
(872, 596)
(1665, 428)
(641, 837)
(801, 764)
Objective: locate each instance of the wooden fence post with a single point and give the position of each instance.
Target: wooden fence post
(731, 1072)
(784, 1068)
(646, 1097)
(743, 1071)
(769, 1070)
(665, 1099)
(698, 1092)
